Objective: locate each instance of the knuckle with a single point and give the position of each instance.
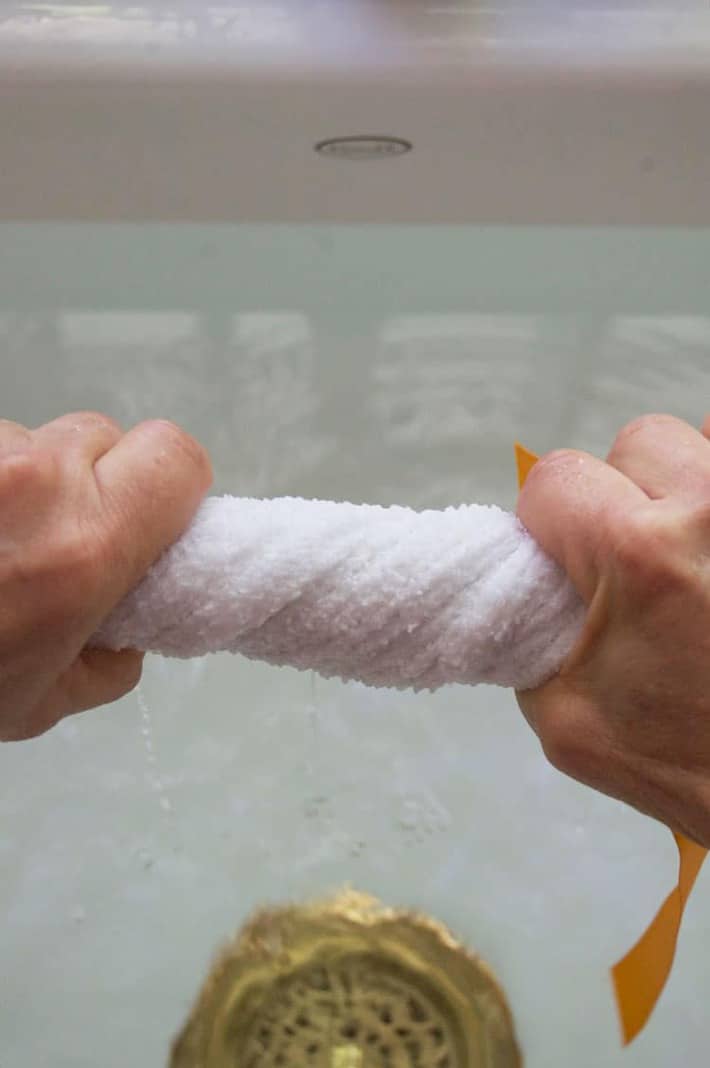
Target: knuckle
(98, 421)
(182, 445)
(558, 458)
(638, 426)
(79, 431)
(548, 476)
(27, 471)
(11, 433)
(552, 464)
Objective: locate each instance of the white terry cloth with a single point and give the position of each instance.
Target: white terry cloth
(388, 596)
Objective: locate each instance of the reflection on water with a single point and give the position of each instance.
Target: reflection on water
(419, 408)
(646, 364)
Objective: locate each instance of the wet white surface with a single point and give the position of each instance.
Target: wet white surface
(380, 364)
(518, 111)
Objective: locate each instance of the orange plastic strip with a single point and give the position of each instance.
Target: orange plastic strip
(525, 461)
(640, 976)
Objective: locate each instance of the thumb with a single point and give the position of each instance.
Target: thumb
(570, 502)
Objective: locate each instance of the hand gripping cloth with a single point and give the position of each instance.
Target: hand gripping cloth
(391, 597)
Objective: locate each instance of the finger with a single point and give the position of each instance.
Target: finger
(664, 456)
(568, 503)
(26, 727)
(13, 436)
(83, 434)
(99, 677)
(151, 482)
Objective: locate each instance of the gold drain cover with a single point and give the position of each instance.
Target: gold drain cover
(347, 984)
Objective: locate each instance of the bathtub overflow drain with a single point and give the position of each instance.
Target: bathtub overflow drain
(363, 148)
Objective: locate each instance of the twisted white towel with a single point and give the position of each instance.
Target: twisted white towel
(389, 596)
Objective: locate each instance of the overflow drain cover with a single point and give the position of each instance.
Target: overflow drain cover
(347, 984)
(363, 147)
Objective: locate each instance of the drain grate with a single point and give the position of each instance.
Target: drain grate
(359, 1012)
(347, 984)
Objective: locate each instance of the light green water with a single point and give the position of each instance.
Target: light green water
(380, 364)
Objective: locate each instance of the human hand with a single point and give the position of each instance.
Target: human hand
(629, 711)
(84, 511)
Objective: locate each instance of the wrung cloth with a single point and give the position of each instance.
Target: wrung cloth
(390, 597)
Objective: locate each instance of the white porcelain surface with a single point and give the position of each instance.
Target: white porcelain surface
(376, 364)
(588, 112)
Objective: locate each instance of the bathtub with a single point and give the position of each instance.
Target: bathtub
(517, 250)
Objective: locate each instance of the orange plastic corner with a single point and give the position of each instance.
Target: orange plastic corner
(525, 461)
